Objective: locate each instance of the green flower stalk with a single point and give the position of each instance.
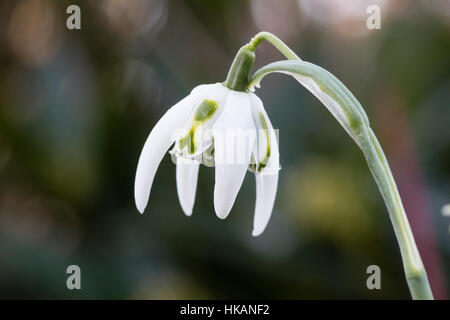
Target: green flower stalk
(203, 117)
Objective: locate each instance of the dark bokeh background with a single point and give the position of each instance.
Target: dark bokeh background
(77, 106)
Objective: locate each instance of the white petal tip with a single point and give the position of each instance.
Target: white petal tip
(140, 206)
(186, 207)
(220, 213)
(222, 206)
(141, 210)
(256, 232)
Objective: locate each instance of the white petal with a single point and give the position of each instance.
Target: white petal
(260, 151)
(229, 179)
(157, 144)
(216, 94)
(187, 175)
(266, 189)
(234, 138)
(267, 179)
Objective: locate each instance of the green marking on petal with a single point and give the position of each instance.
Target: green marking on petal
(263, 123)
(188, 140)
(204, 111)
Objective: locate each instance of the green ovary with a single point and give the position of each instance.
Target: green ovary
(204, 111)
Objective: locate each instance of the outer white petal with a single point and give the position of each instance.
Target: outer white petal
(232, 158)
(267, 179)
(187, 176)
(158, 142)
(266, 189)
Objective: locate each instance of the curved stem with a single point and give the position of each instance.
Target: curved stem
(350, 114)
(277, 43)
(414, 269)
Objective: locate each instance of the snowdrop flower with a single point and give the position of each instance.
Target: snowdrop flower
(216, 126)
(226, 126)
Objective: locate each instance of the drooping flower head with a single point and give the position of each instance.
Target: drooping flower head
(220, 127)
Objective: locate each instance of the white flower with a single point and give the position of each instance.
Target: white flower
(218, 127)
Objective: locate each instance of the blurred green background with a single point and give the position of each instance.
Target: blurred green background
(76, 107)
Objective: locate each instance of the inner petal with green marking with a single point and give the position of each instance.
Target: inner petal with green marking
(263, 123)
(203, 112)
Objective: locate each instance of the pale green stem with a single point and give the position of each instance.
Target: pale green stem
(350, 114)
(239, 73)
(277, 43)
(414, 269)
